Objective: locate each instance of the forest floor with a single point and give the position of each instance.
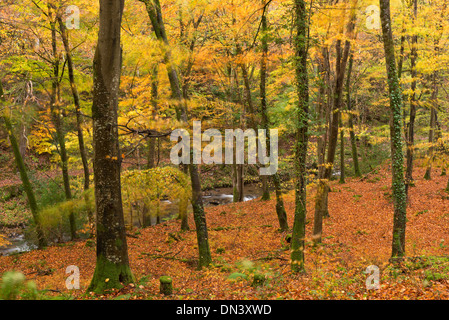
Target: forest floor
(245, 240)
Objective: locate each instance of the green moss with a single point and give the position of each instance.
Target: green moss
(118, 243)
(165, 279)
(166, 287)
(109, 275)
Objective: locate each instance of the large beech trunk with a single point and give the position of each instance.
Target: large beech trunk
(112, 269)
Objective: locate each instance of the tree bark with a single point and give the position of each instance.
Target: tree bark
(112, 268)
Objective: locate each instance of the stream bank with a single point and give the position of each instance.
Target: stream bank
(211, 197)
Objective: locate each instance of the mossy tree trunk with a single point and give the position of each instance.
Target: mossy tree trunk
(395, 95)
(112, 268)
(23, 175)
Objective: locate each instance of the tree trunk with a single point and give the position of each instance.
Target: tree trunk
(433, 118)
(112, 268)
(280, 209)
(321, 207)
(154, 12)
(355, 156)
(24, 176)
(321, 201)
(342, 150)
(413, 103)
(200, 219)
(263, 94)
(302, 87)
(323, 112)
(57, 117)
(342, 58)
(395, 94)
(76, 100)
(238, 183)
(151, 159)
(433, 115)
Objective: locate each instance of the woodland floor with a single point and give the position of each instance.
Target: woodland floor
(244, 238)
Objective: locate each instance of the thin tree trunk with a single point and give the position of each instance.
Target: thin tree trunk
(57, 117)
(263, 94)
(413, 103)
(321, 207)
(433, 118)
(238, 183)
(433, 114)
(24, 176)
(112, 267)
(154, 104)
(302, 87)
(323, 109)
(280, 209)
(76, 100)
(400, 67)
(321, 201)
(155, 14)
(342, 150)
(355, 156)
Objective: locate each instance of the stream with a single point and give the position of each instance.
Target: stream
(214, 197)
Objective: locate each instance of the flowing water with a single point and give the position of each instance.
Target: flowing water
(214, 197)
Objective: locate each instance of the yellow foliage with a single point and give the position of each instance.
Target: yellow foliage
(3, 241)
(144, 190)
